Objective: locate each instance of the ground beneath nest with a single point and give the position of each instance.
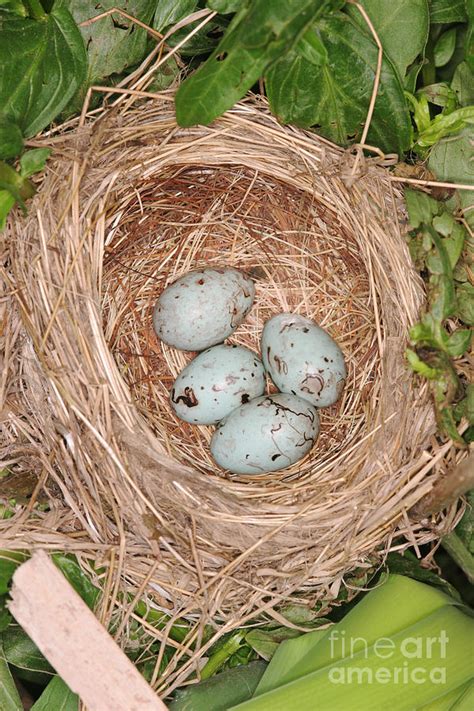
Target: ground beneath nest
(301, 258)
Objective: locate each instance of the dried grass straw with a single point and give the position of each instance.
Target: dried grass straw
(129, 203)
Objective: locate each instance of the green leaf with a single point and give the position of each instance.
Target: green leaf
(257, 35)
(440, 94)
(402, 28)
(334, 98)
(444, 48)
(16, 7)
(265, 642)
(445, 125)
(43, 63)
(312, 49)
(11, 139)
(421, 207)
(445, 11)
(463, 84)
(169, 12)
(465, 527)
(9, 562)
(22, 653)
(19, 188)
(33, 161)
(408, 564)
(459, 342)
(57, 696)
(9, 697)
(114, 42)
(465, 302)
(419, 366)
(224, 690)
(5, 616)
(7, 201)
(452, 159)
(224, 6)
(77, 578)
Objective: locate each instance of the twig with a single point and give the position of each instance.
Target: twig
(150, 30)
(375, 87)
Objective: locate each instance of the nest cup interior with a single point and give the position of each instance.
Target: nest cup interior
(302, 259)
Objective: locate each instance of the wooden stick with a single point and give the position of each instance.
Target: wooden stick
(74, 642)
(447, 490)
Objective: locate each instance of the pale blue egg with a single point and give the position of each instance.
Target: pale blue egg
(269, 433)
(216, 382)
(203, 307)
(302, 358)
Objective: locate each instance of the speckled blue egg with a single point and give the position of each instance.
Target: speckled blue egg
(216, 382)
(302, 358)
(269, 433)
(203, 307)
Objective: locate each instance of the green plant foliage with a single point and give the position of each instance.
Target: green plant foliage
(451, 159)
(9, 697)
(463, 84)
(258, 34)
(401, 26)
(24, 656)
(58, 696)
(113, 43)
(77, 578)
(343, 87)
(227, 689)
(436, 244)
(408, 564)
(444, 47)
(43, 63)
(11, 139)
(169, 12)
(445, 11)
(266, 642)
(9, 562)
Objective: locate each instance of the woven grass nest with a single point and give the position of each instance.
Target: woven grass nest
(129, 203)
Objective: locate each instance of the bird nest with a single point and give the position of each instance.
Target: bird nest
(129, 203)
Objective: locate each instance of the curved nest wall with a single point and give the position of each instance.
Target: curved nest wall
(130, 202)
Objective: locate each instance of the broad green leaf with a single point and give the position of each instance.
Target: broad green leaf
(224, 690)
(57, 696)
(452, 159)
(33, 161)
(113, 43)
(401, 26)
(9, 562)
(459, 342)
(224, 6)
(77, 578)
(43, 63)
(11, 139)
(445, 11)
(169, 12)
(444, 125)
(440, 94)
(257, 35)
(334, 98)
(16, 7)
(23, 654)
(444, 48)
(7, 201)
(465, 303)
(265, 642)
(203, 41)
(9, 697)
(463, 84)
(312, 49)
